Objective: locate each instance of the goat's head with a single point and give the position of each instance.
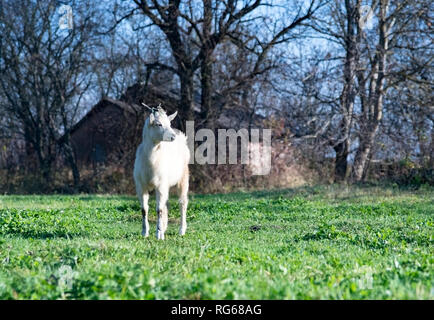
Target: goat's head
(159, 125)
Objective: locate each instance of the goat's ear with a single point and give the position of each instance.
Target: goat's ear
(172, 116)
(151, 118)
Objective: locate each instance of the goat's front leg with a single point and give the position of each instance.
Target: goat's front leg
(162, 197)
(145, 210)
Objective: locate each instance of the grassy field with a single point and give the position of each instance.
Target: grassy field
(310, 243)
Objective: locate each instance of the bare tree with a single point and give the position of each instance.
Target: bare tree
(195, 29)
(370, 34)
(44, 75)
(397, 23)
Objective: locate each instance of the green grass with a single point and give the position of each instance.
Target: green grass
(308, 243)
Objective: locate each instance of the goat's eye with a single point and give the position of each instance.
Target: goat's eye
(159, 125)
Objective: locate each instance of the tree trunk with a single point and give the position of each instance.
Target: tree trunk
(362, 155)
(208, 113)
(44, 155)
(46, 172)
(341, 164)
(66, 147)
(431, 154)
(70, 158)
(342, 148)
(186, 101)
(373, 114)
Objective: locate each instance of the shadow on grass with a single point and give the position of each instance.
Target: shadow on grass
(46, 235)
(96, 197)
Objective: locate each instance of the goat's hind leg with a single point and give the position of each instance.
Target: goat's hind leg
(145, 210)
(183, 202)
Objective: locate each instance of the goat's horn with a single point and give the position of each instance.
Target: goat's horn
(159, 108)
(151, 109)
(145, 105)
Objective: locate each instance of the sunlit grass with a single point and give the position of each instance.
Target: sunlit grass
(326, 242)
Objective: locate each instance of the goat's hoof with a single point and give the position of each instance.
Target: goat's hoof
(145, 234)
(160, 235)
(182, 232)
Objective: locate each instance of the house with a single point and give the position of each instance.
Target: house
(97, 137)
(111, 131)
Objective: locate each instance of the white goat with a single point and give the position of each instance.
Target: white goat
(161, 162)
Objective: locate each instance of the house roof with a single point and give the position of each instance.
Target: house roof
(133, 108)
(130, 108)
